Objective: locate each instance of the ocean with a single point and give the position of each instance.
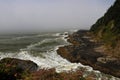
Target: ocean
(41, 49)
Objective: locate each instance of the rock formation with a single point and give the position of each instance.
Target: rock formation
(12, 69)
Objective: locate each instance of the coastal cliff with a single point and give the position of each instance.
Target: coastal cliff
(107, 30)
(100, 46)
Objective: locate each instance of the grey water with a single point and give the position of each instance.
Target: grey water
(40, 42)
(41, 49)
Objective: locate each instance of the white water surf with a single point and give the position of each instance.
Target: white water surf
(51, 59)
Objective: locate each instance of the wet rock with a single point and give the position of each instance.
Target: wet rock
(22, 64)
(106, 59)
(87, 55)
(12, 69)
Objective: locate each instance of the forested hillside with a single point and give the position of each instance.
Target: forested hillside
(107, 29)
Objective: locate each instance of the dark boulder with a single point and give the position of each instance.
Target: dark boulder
(12, 69)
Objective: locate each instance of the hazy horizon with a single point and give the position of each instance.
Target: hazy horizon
(50, 15)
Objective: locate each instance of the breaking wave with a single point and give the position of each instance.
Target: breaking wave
(43, 53)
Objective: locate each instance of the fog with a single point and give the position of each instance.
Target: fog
(50, 15)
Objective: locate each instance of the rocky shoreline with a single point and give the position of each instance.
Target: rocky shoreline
(85, 50)
(16, 69)
(82, 49)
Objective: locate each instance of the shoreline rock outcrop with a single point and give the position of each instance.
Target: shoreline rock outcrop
(101, 47)
(85, 53)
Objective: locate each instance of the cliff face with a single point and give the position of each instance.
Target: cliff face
(107, 28)
(101, 50)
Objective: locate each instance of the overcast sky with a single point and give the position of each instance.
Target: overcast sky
(47, 15)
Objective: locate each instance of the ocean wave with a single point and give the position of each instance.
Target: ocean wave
(53, 60)
(45, 42)
(50, 58)
(49, 34)
(22, 37)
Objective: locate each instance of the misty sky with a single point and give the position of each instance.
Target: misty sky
(47, 15)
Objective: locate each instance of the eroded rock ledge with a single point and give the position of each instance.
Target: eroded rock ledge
(83, 50)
